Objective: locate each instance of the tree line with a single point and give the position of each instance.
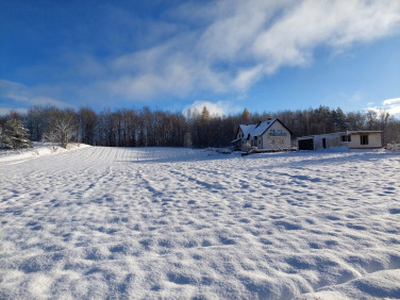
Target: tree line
(145, 127)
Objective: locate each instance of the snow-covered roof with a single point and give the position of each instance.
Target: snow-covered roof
(247, 129)
(362, 131)
(257, 129)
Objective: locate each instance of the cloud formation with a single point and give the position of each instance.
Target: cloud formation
(196, 49)
(392, 106)
(20, 94)
(219, 108)
(233, 44)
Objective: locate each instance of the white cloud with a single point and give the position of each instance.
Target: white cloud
(222, 46)
(292, 39)
(394, 101)
(392, 106)
(235, 43)
(219, 108)
(21, 94)
(245, 78)
(159, 71)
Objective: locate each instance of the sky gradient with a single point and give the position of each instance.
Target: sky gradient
(173, 55)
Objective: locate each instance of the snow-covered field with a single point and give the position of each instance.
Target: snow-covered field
(123, 223)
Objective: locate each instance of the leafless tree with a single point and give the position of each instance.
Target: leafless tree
(62, 126)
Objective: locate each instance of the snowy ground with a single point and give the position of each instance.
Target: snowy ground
(123, 223)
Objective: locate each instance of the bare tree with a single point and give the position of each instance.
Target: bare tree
(371, 118)
(62, 126)
(145, 127)
(87, 121)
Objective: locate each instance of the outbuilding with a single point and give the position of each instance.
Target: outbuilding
(350, 139)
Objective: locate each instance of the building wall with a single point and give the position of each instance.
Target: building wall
(243, 139)
(335, 140)
(331, 140)
(374, 141)
(275, 138)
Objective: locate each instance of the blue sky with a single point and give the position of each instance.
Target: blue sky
(266, 55)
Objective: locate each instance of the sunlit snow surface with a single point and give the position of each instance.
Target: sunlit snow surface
(133, 223)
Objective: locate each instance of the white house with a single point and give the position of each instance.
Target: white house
(271, 134)
(350, 139)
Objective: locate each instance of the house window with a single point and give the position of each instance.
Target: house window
(277, 132)
(346, 138)
(364, 139)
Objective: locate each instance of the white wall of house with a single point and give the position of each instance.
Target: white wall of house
(275, 138)
(374, 140)
(243, 138)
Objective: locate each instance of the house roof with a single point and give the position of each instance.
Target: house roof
(247, 129)
(363, 132)
(259, 129)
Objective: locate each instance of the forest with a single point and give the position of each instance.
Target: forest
(145, 127)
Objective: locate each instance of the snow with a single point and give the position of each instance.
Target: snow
(257, 129)
(133, 223)
(39, 149)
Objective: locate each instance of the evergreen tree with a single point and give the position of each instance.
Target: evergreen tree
(15, 136)
(339, 119)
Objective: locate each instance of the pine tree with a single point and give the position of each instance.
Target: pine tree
(15, 136)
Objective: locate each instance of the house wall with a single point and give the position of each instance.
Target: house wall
(275, 138)
(243, 139)
(374, 141)
(240, 135)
